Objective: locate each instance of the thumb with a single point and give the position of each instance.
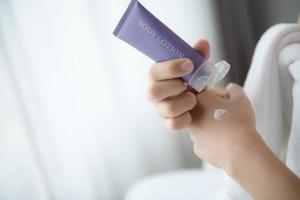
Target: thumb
(203, 47)
(234, 90)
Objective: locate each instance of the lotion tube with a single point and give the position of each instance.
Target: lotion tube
(142, 30)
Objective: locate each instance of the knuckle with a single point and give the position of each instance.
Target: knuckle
(152, 92)
(152, 72)
(171, 109)
(173, 124)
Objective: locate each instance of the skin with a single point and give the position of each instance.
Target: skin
(231, 143)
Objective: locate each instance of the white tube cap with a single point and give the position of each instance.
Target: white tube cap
(209, 74)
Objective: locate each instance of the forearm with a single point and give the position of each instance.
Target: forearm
(263, 175)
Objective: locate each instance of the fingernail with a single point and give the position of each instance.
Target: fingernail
(230, 85)
(187, 66)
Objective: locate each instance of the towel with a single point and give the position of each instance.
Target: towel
(273, 88)
(293, 151)
(191, 184)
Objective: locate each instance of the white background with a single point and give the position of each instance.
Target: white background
(75, 122)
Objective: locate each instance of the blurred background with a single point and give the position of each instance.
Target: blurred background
(75, 122)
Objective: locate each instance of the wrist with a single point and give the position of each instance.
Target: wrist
(262, 174)
(244, 154)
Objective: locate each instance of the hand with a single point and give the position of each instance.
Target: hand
(232, 143)
(220, 141)
(170, 94)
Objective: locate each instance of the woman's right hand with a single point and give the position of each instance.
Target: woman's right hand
(170, 94)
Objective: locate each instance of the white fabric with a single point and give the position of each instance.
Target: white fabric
(293, 151)
(75, 122)
(180, 185)
(269, 87)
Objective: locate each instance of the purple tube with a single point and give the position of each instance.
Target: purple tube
(142, 30)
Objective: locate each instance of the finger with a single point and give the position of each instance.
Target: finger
(219, 91)
(208, 99)
(179, 123)
(170, 69)
(203, 47)
(160, 90)
(175, 106)
(234, 91)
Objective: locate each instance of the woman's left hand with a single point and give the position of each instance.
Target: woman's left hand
(221, 139)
